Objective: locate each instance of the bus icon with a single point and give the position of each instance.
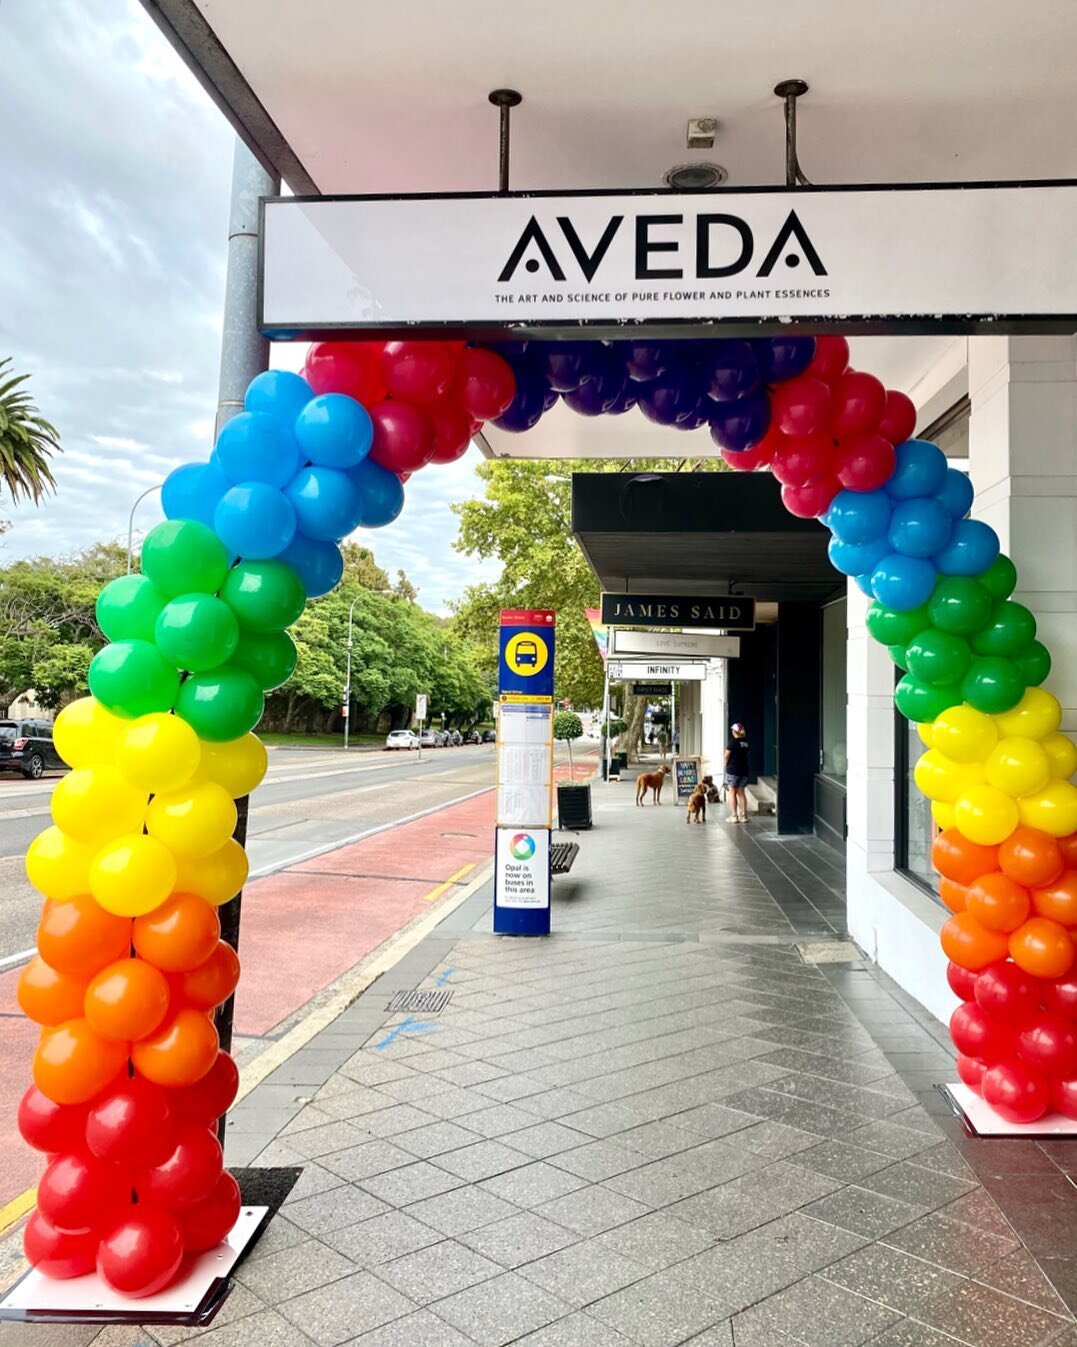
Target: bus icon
(527, 653)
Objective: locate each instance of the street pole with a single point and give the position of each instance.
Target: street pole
(131, 521)
(348, 675)
(606, 743)
(672, 716)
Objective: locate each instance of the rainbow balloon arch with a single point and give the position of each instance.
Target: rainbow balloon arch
(129, 1080)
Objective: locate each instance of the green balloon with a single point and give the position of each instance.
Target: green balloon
(182, 556)
(264, 595)
(197, 632)
(993, 684)
(269, 657)
(938, 657)
(221, 705)
(133, 678)
(1000, 578)
(1033, 663)
(897, 654)
(1011, 628)
(128, 607)
(959, 604)
(920, 702)
(889, 627)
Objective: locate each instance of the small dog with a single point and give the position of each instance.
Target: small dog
(653, 782)
(697, 805)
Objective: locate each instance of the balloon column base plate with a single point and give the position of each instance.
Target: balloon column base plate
(194, 1299)
(982, 1121)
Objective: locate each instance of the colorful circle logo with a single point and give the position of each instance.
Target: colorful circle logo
(522, 847)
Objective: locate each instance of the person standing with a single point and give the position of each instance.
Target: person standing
(736, 773)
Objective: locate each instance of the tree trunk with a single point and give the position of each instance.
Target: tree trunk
(635, 710)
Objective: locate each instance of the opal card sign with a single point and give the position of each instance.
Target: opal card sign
(678, 610)
(522, 868)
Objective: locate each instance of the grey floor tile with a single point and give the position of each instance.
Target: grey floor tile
(333, 1314)
(988, 1318)
(532, 1184)
(502, 1310)
(774, 1140)
(892, 1139)
(422, 1329)
(412, 1183)
(440, 1270)
(818, 1314)
(951, 1244)
(908, 1333)
(656, 1140)
(575, 1330)
(279, 1234)
(543, 1140)
(518, 1239)
(917, 1185)
(482, 1160)
(598, 1160)
(313, 1142)
(894, 1279)
(657, 1240)
(754, 1199)
(657, 1312)
(871, 1214)
(382, 1238)
(584, 1272)
(591, 1210)
(366, 1160)
(265, 1329)
(1019, 1275)
(842, 1161)
(497, 1120)
(332, 1210)
(678, 1176)
(461, 1210)
(289, 1273)
(434, 1139)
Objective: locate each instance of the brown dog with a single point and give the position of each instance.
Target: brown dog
(697, 805)
(653, 782)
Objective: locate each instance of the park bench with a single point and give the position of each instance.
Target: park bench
(563, 857)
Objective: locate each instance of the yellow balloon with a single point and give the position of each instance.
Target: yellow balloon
(216, 878)
(1053, 810)
(1035, 716)
(85, 734)
(194, 821)
(926, 731)
(1062, 754)
(940, 778)
(238, 765)
(57, 865)
(985, 815)
(963, 733)
(95, 804)
(158, 752)
(1017, 766)
(943, 814)
(132, 875)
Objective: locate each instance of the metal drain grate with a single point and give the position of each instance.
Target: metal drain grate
(418, 1001)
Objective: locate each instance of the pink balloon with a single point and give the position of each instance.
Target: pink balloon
(864, 462)
(899, 418)
(859, 403)
(1016, 1092)
(801, 406)
(403, 436)
(417, 371)
(813, 500)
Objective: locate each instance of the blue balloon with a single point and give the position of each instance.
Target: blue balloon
(859, 516)
(740, 425)
(256, 447)
(919, 528)
(863, 583)
(972, 548)
(382, 493)
(730, 370)
(254, 520)
(901, 582)
(857, 558)
(782, 358)
(334, 431)
(319, 565)
(956, 493)
(327, 503)
(192, 492)
(920, 470)
(279, 393)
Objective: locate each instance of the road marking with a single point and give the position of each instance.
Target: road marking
(408, 1025)
(445, 977)
(16, 1209)
(436, 893)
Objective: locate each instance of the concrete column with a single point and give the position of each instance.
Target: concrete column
(714, 719)
(798, 715)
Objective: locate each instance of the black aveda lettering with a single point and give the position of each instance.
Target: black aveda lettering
(589, 262)
(532, 233)
(645, 245)
(704, 224)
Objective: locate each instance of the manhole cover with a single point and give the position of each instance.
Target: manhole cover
(422, 1002)
(828, 951)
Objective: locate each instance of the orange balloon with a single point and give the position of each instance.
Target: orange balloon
(1058, 900)
(970, 945)
(1042, 947)
(213, 982)
(80, 938)
(72, 1063)
(953, 894)
(1068, 847)
(1031, 857)
(127, 1000)
(49, 997)
(180, 934)
(953, 855)
(180, 1052)
(997, 902)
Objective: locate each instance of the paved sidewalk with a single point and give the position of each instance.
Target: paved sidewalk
(664, 1125)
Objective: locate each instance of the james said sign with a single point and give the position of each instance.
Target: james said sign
(678, 610)
(913, 258)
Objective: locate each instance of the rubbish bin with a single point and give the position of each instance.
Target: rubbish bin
(573, 807)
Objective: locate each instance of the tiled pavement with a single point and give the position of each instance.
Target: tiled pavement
(660, 1126)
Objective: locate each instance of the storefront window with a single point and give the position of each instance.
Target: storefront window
(834, 758)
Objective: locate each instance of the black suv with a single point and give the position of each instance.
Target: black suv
(26, 746)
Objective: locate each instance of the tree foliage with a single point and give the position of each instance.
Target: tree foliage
(27, 440)
(568, 726)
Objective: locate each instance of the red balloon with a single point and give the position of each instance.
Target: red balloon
(899, 418)
(142, 1253)
(750, 459)
(971, 1070)
(962, 981)
(1068, 847)
(800, 407)
(187, 1175)
(403, 436)
(798, 462)
(813, 500)
(55, 1253)
(205, 1225)
(51, 1127)
(77, 1192)
(864, 462)
(976, 1034)
(859, 403)
(417, 371)
(1016, 1092)
(831, 359)
(352, 367)
(1064, 1097)
(1049, 1043)
(209, 1097)
(131, 1123)
(1007, 993)
(452, 430)
(1061, 994)
(485, 384)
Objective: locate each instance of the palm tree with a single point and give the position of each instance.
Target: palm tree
(27, 441)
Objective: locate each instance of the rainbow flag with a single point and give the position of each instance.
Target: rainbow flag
(599, 632)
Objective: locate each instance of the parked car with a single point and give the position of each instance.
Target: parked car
(26, 746)
(489, 736)
(428, 739)
(442, 737)
(401, 739)
(455, 738)
(472, 737)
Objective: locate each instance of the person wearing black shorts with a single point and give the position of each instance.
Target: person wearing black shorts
(736, 773)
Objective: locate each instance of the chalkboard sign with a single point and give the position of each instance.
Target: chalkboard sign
(686, 772)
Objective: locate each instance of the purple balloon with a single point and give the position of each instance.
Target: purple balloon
(700, 417)
(525, 409)
(670, 399)
(730, 371)
(566, 364)
(625, 400)
(507, 350)
(740, 425)
(550, 399)
(606, 383)
(649, 360)
(782, 358)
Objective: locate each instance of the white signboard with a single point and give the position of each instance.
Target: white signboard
(674, 644)
(683, 673)
(908, 255)
(522, 867)
(420, 706)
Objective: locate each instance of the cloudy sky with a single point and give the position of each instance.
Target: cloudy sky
(113, 233)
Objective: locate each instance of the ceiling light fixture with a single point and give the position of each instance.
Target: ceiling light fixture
(694, 177)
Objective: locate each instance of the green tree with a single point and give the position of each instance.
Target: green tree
(27, 440)
(567, 726)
